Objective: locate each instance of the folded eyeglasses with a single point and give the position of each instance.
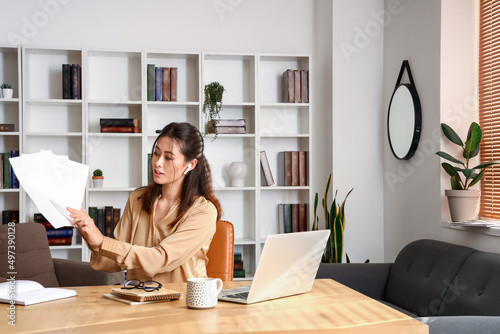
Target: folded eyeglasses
(145, 285)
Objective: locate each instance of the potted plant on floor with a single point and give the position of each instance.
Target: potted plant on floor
(212, 105)
(97, 178)
(335, 222)
(7, 91)
(463, 201)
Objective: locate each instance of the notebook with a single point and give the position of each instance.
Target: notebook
(25, 292)
(287, 266)
(139, 295)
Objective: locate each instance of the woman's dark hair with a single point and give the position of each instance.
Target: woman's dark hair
(199, 180)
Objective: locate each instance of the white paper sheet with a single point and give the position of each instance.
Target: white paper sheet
(53, 182)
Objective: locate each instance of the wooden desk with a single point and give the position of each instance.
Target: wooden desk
(329, 308)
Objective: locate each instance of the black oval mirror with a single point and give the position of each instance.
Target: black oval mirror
(404, 120)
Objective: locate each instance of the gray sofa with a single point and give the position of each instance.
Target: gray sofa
(452, 288)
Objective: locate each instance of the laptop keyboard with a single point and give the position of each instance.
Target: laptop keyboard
(240, 295)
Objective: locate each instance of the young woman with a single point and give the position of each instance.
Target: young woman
(166, 227)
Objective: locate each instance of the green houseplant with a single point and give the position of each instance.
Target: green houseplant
(212, 105)
(7, 90)
(335, 222)
(462, 200)
(97, 178)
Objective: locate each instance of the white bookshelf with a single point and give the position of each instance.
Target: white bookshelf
(114, 85)
(11, 112)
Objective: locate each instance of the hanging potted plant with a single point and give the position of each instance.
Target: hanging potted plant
(7, 91)
(97, 178)
(463, 201)
(212, 105)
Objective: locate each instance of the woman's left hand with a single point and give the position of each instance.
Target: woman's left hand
(86, 225)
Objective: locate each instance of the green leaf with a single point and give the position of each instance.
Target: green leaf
(468, 173)
(487, 164)
(473, 138)
(452, 171)
(451, 135)
(315, 224)
(347, 260)
(455, 183)
(339, 239)
(474, 153)
(476, 179)
(449, 157)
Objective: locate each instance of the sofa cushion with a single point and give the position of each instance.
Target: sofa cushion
(476, 289)
(422, 273)
(462, 325)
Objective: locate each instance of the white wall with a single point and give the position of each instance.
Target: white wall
(437, 37)
(190, 25)
(358, 36)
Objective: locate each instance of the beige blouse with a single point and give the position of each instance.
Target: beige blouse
(159, 252)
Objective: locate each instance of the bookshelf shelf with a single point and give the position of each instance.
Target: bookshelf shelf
(114, 84)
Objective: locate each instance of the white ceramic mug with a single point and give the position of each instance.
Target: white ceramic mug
(202, 292)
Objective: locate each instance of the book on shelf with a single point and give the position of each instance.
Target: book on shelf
(295, 86)
(292, 217)
(66, 81)
(72, 81)
(304, 86)
(133, 296)
(288, 86)
(166, 84)
(119, 125)
(28, 292)
(151, 82)
(292, 168)
(76, 90)
(105, 218)
(161, 83)
(228, 129)
(8, 178)
(120, 129)
(158, 83)
(296, 78)
(10, 216)
(62, 236)
(7, 127)
(150, 169)
(267, 176)
(227, 122)
(173, 84)
(238, 266)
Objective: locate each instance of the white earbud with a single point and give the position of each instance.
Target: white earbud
(187, 169)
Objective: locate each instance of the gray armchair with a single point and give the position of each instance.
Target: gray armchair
(34, 262)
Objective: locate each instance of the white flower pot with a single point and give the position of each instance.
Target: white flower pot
(7, 93)
(97, 182)
(464, 204)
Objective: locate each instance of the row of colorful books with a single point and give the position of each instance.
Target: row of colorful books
(292, 217)
(8, 178)
(105, 218)
(119, 125)
(292, 168)
(227, 126)
(162, 83)
(64, 236)
(10, 216)
(71, 81)
(295, 86)
(238, 270)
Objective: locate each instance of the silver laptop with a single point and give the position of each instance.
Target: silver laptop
(287, 266)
